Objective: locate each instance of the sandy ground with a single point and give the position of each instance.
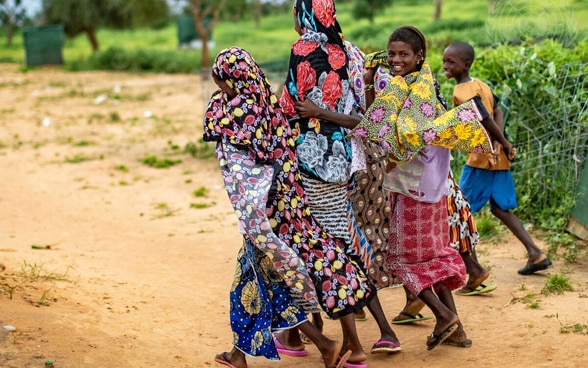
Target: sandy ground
(136, 269)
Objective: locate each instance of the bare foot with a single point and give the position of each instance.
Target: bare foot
(459, 338)
(355, 357)
(290, 339)
(360, 315)
(330, 354)
(475, 280)
(413, 307)
(234, 358)
(443, 330)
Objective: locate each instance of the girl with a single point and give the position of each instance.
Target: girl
(318, 72)
(272, 289)
(419, 251)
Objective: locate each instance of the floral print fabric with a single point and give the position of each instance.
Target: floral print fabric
(251, 118)
(318, 72)
(407, 116)
(260, 304)
(340, 284)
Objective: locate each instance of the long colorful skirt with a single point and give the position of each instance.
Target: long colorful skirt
(419, 251)
(372, 211)
(463, 234)
(260, 304)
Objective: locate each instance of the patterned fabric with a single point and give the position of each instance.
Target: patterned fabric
(419, 250)
(406, 117)
(379, 60)
(251, 119)
(463, 234)
(318, 72)
(331, 206)
(355, 70)
(372, 211)
(341, 286)
(260, 304)
(248, 186)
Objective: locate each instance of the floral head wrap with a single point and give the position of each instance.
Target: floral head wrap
(318, 71)
(253, 119)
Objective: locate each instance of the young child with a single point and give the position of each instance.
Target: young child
(419, 251)
(272, 289)
(487, 177)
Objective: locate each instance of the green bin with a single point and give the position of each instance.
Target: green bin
(187, 30)
(43, 45)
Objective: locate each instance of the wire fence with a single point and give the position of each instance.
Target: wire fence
(552, 138)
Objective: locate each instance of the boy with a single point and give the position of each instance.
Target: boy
(487, 177)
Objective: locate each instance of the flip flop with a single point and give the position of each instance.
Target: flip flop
(346, 364)
(305, 340)
(293, 353)
(531, 268)
(224, 360)
(435, 339)
(460, 344)
(411, 319)
(385, 347)
(342, 360)
(360, 317)
(482, 289)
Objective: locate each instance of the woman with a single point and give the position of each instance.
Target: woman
(419, 251)
(272, 289)
(318, 72)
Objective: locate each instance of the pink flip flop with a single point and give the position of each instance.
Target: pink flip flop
(349, 364)
(224, 360)
(385, 347)
(293, 353)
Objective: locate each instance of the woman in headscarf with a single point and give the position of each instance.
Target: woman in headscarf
(273, 289)
(318, 72)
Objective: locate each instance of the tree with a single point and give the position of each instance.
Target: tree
(438, 6)
(12, 13)
(492, 6)
(369, 8)
(87, 16)
(257, 12)
(210, 11)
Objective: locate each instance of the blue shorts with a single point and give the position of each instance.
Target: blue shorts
(480, 186)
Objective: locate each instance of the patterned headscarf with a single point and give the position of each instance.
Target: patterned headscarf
(318, 71)
(253, 119)
(318, 61)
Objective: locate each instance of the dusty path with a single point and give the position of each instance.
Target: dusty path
(137, 274)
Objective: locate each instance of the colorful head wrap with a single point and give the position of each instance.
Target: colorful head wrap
(318, 71)
(253, 119)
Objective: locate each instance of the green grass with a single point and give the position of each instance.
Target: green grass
(467, 21)
(556, 284)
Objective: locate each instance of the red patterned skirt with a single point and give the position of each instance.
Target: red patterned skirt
(419, 251)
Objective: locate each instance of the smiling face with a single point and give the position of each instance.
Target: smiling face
(454, 64)
(402, 59)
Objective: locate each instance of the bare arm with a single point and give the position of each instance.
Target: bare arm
(494, 128)
(308, 109)
(368, 79)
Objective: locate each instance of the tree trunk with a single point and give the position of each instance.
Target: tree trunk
(257, 15)
(437, 14)
(491, 4)
(212, 11)
(91, 32)
(205, 51)
(9, 33)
